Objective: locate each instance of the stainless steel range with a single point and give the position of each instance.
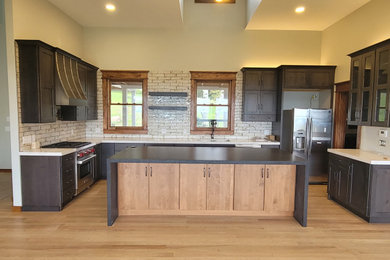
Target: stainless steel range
(85, 167)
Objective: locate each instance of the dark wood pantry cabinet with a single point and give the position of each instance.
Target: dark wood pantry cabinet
(360, 187)
(260, 94)
(370, 86)
(37, 81)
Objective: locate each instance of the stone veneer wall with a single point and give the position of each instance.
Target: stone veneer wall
(164, 124)
(46, 133)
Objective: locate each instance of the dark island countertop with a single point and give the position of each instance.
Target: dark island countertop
(212, 155)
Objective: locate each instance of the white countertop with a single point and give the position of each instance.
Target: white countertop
(64, 151)
(47, 152)
(363, 156)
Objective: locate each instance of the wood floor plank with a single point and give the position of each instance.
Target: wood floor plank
(80, 232)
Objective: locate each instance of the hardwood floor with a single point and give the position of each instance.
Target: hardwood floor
(80, 232)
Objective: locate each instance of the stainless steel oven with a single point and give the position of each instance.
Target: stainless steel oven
(86, 169)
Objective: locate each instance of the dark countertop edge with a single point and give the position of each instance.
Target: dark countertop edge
(205, 161)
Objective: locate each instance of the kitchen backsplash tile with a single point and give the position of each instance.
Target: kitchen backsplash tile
(163, 124)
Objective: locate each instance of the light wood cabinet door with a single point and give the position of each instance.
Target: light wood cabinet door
(249, 187)
(193, 186)
(133, 187)
(220, 178)
(163, 186)
(279, 188)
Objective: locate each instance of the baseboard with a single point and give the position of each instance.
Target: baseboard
(6, 170)
(16, 209)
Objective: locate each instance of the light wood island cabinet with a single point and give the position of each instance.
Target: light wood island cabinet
(264, 188)
(225, 181)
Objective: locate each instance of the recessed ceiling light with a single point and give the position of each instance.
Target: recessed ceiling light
(300, 9)
(110, 7)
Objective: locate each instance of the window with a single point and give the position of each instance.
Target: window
(212, 99)
(125, 101)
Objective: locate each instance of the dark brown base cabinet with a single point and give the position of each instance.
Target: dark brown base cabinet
(360, 187)
(48, 182)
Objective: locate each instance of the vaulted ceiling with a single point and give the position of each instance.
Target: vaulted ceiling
(263, 14)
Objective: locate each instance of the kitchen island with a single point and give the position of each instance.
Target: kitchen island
(206, 181)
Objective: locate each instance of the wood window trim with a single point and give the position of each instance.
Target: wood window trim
(213, 76)
(109, 76)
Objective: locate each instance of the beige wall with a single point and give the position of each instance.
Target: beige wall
(366, 26)
(40, 20)
(212, 38)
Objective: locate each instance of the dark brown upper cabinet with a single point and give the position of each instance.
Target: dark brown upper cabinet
(260, 92)
(297, 77)
(88, 78)
(37, 81)
(362, 81)
(370, 86)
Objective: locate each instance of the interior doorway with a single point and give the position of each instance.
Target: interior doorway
(340, 114)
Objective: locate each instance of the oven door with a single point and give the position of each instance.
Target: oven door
(85, 173)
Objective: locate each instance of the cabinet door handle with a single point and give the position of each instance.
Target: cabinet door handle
(262, 173)
(146, 171)
(204, 172)
(267, 173)
(151, 171)
(209, 172)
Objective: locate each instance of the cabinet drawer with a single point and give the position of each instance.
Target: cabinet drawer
(68, 161)
(67, 196)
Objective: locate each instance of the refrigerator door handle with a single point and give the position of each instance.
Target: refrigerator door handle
(311, 135)
(307, 139)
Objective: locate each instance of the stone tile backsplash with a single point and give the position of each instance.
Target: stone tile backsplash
(163, 124)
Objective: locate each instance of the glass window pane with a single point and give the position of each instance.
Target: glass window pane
(367, 72)
(207, 113)
(383, 67)
(381, 115)
(365, 106)
(130, 116)
(355, 74)
(116, 94)
(212, 93)
(382, 98)
(126, 92)
(353, 106)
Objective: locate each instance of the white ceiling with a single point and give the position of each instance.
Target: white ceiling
(129, 13)
(319, 14)
(269, 15)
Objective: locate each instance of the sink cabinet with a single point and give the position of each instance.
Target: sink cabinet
(360, 187)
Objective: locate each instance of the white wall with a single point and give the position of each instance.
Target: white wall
(41, 20)
(13, 105)
(212, 38)
(366, 26)
(5, 141)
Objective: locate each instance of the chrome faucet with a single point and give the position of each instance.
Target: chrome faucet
(213, 124)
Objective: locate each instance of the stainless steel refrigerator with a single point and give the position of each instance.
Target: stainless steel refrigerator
(308, 134)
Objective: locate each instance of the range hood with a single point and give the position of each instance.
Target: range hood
(69, 90)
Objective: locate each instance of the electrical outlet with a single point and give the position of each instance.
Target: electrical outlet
(382, 133)
(72, 132)
(26, 139)
(382, 143)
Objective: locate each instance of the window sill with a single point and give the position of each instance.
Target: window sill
(125, 131)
